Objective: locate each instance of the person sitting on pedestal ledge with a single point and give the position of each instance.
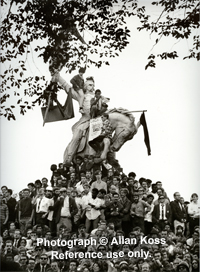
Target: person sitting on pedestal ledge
(98, 106)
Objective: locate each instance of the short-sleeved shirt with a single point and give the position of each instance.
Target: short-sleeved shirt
(3, 212)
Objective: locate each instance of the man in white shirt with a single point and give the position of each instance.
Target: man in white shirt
(92, 210)
(42, 207)
(80, 184)
(193, 212)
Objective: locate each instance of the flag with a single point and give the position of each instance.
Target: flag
(58, 113)
(146, 133)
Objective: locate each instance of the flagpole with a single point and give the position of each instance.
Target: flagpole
(136, 111)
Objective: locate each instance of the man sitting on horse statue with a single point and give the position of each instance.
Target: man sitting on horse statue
(98, 106)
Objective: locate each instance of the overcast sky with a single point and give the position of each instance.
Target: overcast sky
(169, 93)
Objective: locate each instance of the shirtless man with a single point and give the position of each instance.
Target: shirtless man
(79, 128)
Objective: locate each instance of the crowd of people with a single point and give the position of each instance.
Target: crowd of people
(84, 200)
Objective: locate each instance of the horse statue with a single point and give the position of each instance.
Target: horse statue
(122, 122)
(123, 130)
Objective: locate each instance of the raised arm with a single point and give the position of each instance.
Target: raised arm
(57, 77)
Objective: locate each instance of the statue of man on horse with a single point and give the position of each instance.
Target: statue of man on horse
(99, 132)
(115, 127)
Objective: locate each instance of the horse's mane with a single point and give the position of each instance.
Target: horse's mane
(124, 112)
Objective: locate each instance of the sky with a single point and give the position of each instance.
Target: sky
(169, 93)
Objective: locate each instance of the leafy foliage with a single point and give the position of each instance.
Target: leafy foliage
(57, 24)
(180, 27)
(70, 33)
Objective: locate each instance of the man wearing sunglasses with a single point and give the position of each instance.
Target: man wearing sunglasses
(42, 266)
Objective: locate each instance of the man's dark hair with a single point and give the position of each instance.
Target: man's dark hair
(4, 186)
(156, 251)
(90, 78)
(8, 242)
(38, 181)
(10, 191)
(95, 190)
(117, 177)
(102, 191)
(31, 184)
(73, 261)
(132, 174)
(158, 182)
(149, 181)
(26, 189)
(97, 91)
(141, 180)
(82, 70)
(97, 172)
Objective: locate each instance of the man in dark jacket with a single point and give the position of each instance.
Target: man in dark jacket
(11, 203)
(65, 208)
(114, 211)
(178, 212)
(42, 266)
(161, 214)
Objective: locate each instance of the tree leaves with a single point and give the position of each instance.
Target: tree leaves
(54, 30)
(168, 25)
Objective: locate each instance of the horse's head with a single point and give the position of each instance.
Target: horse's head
(122, 135)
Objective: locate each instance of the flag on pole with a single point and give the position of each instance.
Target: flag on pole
(146, 133)
(58, 112)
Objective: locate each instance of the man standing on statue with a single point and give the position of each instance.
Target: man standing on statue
(80, 127)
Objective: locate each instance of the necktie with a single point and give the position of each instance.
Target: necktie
(43, 268)
(15, 243)
(162, 212)
(38, 209)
